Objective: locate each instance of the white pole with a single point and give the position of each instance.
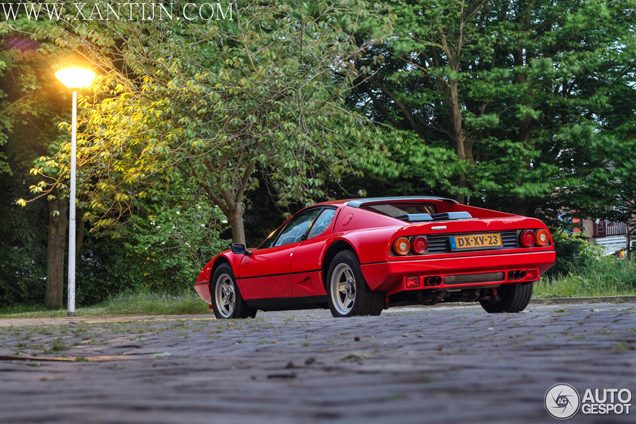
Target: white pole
(71, 222)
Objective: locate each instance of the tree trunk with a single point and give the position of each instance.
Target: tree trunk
(80, 233)
(458, 135)
(235, 219)
(58, 224)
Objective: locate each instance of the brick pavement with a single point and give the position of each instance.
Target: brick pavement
(410, 365)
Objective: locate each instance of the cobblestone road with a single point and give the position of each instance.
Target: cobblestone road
(434, 365)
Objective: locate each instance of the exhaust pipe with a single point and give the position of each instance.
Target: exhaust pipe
(433, 281)
(516, 275)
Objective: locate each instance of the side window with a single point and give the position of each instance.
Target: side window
(296, 228)
(269, 241)
(322, 223)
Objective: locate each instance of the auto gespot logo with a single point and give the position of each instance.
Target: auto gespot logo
(562, 401)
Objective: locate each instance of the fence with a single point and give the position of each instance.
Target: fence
(604, 228)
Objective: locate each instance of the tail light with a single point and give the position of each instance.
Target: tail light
(543, 238)
(527, 238)
(532, 274)
(402, 246)
(419, 245)
(412, 282)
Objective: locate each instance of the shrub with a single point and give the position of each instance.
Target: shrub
(573, 253)
(169, 249)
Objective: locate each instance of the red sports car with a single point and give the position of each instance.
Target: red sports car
(361, 256)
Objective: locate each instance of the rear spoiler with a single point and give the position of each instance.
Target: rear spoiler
(444, 216)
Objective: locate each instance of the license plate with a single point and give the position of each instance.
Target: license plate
(475, 241)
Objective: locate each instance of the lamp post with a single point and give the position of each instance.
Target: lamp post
(74, 78)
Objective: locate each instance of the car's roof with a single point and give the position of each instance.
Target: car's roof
(356, 203)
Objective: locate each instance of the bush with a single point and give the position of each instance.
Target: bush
(573, 253)
(169, 249)
(606, 276)
(104, 269)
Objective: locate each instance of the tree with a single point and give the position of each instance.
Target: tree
(615, 191)
(513, 89)
(212, 103)
(28, 129)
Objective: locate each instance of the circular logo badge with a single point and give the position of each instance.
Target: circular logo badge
(562, 401)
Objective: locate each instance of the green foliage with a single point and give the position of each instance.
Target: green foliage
(22, 248)
(142, 301)
(573, 254)
(530, 96)
(25, 131)
(172, 247)
(405, 165)
(610, 191)
(523, 106)
(184, 301)
(29, 113)
(213, 102)
(104, 268)
(607, 276)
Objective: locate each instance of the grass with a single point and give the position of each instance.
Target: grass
(607, 277)
(187, 302)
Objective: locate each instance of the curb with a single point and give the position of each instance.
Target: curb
(24, 322)
(575, 300)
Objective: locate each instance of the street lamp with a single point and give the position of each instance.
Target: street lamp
(74, 78)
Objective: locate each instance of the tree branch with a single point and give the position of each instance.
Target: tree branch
(399, 104)
(12, 104)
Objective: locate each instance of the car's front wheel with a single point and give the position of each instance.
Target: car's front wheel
(348, 292)
(227, 301)
(512, 298)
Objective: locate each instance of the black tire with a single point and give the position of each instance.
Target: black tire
(513, 298)
(227, 301)
(347, 292)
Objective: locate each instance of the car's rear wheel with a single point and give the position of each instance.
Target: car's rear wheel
(227, 301)
(512, 298)
(348, 292)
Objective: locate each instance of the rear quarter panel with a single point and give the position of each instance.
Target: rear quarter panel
(369, 233)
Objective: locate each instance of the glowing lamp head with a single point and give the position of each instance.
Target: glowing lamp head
(75, 77)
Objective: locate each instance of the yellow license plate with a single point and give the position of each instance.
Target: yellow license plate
(475, 241)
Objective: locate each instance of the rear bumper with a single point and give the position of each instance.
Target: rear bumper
(390, 277)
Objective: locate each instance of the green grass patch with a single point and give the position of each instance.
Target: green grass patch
(607, 276)
(186, 302)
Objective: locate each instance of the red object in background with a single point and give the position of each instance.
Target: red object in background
(359, 256)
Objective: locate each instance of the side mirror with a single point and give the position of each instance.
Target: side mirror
(240, 249)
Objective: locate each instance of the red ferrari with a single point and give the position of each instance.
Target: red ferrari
(360, 256)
